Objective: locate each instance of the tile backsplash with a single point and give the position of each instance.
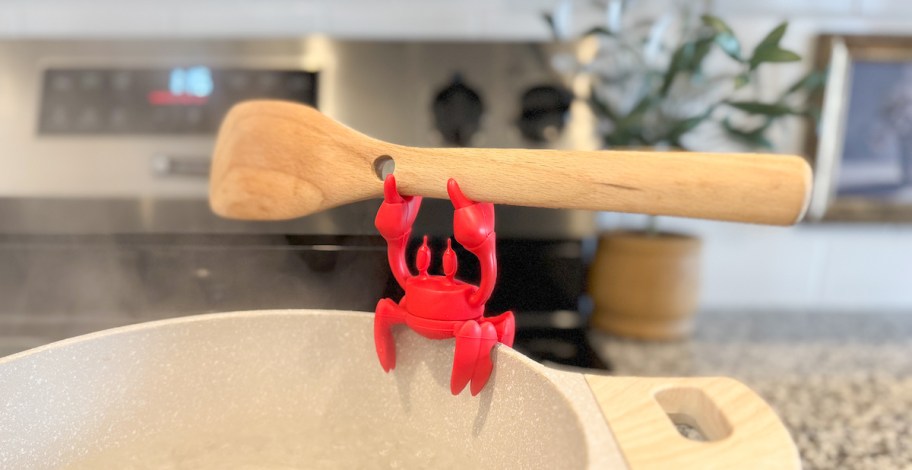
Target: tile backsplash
(811, 267)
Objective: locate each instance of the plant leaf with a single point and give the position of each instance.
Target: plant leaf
(769, 51)
(773, 54)
(758, 107)
(683, 126)
(723, 36)
(741, 80)
(549, 19)
(716, 24)
(633, 118)
(621, 138)
(754, 137)
(730, 45)
(601, 108)
(599, 30)
(814, 114)
(681, 57)
(701, 50)
(688, 57)
(773, 37)
(810, 82)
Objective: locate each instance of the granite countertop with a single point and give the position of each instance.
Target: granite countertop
(842, 383)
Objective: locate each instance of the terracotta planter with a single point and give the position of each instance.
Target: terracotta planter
(645, 286)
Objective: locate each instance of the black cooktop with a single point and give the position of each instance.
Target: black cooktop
(556, 337)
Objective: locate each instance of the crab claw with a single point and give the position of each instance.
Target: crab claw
(473, 222)
(397, 212)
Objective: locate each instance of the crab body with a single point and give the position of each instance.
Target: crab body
(438, 298)
(441, 307)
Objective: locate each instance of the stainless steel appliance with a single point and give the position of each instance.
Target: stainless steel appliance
(116, 135)
(104, 148)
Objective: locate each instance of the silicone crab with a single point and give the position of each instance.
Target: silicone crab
(440, 307)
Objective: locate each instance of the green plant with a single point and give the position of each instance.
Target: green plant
(649, 91)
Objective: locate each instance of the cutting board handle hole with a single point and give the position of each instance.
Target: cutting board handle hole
(384, 165)
(686, 430)
(693, 410)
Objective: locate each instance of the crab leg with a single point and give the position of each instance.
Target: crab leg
(505, 325)
(468, 340)
(388, 313)
(483, 364)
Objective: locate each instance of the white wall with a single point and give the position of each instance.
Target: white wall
(507, 19)
(822, 267)
(811, 267)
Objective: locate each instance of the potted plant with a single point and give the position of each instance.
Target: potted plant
(669, 82)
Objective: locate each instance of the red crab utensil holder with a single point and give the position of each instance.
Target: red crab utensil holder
(441, 307)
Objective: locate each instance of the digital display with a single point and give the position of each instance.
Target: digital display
(176, 100)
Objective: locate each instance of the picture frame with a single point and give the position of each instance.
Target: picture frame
(862, 146)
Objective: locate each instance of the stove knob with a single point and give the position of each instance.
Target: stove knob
(457, 112)
(544, 112)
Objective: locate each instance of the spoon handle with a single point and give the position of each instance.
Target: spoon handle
(756, 188)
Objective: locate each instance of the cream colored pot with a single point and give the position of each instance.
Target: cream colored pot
(304, 389)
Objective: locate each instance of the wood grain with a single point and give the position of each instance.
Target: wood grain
(742, 430)
(276, 160)
(645, 287)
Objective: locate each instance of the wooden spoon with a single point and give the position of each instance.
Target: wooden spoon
(277, 160)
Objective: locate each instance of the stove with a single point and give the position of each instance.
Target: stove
(557, 338)
(104, 165)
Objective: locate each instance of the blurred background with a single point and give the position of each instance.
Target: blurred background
(109, 110)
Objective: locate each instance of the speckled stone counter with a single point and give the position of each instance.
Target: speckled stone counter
(842, 383)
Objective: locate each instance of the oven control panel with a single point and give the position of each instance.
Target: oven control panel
(173, 100)
(116, 134)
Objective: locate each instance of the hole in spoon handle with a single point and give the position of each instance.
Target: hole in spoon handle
(384, 165)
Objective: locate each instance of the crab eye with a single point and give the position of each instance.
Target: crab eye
(423, 257)
(450, 262)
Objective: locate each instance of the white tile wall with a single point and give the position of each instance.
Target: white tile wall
(885, 7)
(248, 18)
(868, 267)
(786, 8)
(9, 19)
(54, 18)
(411, 19)
(505, 19)
(823, 267)
(345, 18)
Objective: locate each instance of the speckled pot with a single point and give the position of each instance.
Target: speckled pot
(282, 390)
(645, 286)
